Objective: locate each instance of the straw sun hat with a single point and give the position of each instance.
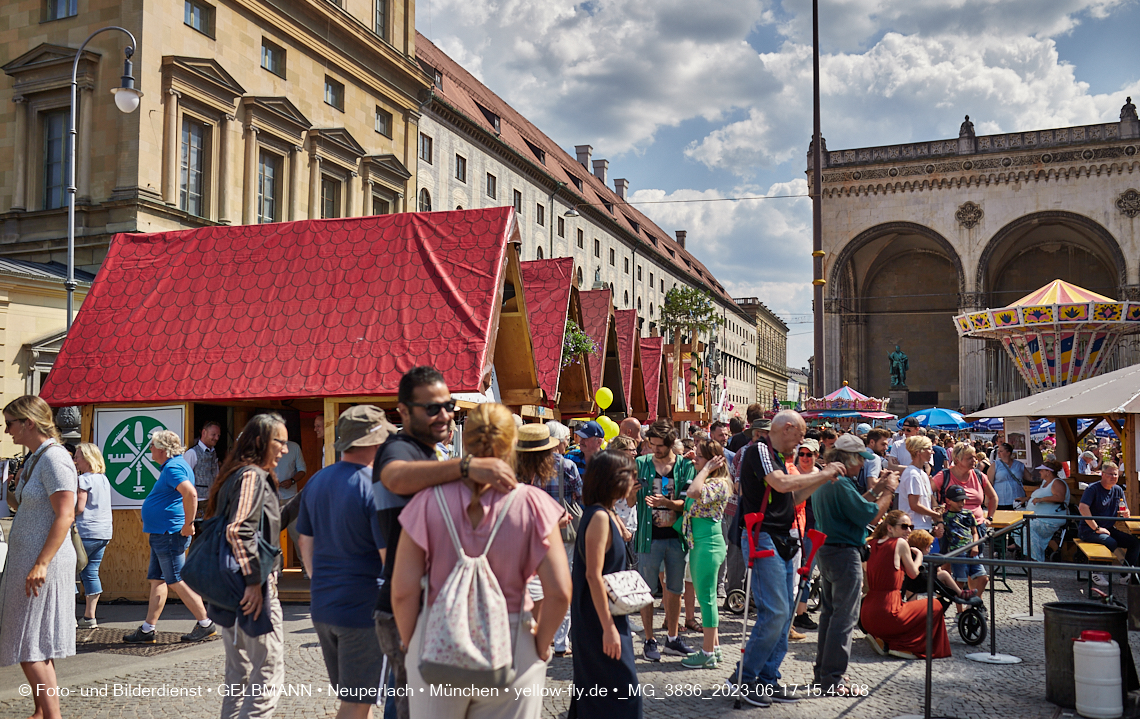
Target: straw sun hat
(535, 438)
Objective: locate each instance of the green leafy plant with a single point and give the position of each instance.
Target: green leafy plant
(575, 343)
(687, 311)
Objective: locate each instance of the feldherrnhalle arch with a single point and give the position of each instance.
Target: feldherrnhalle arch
(916, 233)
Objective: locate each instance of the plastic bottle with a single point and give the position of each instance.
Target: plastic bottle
(1096, 673)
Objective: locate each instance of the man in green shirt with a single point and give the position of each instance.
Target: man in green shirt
(842, 513)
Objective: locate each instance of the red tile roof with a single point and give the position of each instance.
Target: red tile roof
(626, 323)
(547, 284)
(462, 92)
(651, 371)
(317, 308)
(597, 308)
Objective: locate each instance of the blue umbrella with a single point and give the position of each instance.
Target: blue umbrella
(938, 418)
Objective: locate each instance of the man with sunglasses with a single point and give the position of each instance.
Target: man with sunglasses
(406, 464)
(898, 457)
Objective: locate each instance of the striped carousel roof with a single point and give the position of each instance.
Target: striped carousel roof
(1059, 292)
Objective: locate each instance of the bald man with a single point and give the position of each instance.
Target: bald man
(631, 428)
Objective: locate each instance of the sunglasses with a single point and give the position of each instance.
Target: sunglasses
(435, 407)
(809, 455)
(906, 526)
(8, 424)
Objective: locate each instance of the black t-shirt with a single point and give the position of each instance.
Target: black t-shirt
(759, 461)
(399, 448)
(666, 532)
(739, 441)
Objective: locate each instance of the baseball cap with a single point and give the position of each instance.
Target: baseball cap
(851, 443)
(590, 429)
(910, 422)
(862, 429)
(765, 424)
(955, 493)
(362, 426)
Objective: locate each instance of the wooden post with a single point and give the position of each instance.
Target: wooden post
(87, 423)
(1128, 454)
(331, 413)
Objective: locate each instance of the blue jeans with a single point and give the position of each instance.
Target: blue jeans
(773, 591)
(167, 555)
(90, 574)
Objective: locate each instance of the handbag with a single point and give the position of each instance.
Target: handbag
(80, 550)
(570, 531)
(626, 590)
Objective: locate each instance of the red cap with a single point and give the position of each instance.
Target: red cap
(1092, 635)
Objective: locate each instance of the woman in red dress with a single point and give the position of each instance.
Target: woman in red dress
(892, 626)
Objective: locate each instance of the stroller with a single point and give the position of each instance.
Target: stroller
(734, 600)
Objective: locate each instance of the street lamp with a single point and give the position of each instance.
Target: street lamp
(127, 100)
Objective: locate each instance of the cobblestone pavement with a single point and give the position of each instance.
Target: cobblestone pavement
(961, 688)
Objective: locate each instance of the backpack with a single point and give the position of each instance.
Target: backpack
(466, 640)
(947, 477)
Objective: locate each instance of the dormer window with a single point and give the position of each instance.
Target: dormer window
(492, 119)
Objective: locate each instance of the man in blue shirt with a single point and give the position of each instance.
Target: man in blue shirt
(168, 517)
(590, 436)
(1102, 503)
(342, 548)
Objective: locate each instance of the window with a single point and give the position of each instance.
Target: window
(59, 9)
(334, 93)
(539, 254)
(639, 273)
(613, 257)
(626, 303)
(461, 168)
(492, 186)
(198, 15)
(518, 202)
(381, 206)
(581, 240)
(651, 314)
(55, 134)
(651, 280)
(273, 58)
(626, 261)
(383, 122)
(268, 187)
(578, 278)
(425, 200)
(639, 304)
(192, 199)
(330, 197)
(425, 148)
(492, 119)
(540, 214)
(662, 285)
(597, 247)
(381, 22)
(561, 227)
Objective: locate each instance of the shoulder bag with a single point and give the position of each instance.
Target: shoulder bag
(570, 531)
(76, 541)
(626, 590)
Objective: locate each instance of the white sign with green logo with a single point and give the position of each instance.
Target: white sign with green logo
(124, 436)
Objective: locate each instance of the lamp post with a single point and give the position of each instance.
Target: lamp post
(127, 100)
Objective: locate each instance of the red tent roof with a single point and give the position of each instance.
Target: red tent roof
(596, 310)
(547, 284)
(651, 371)
(626, 323)
(317, 308)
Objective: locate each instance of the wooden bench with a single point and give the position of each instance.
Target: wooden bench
(1094, 553)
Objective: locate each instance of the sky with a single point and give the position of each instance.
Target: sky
(714, 100)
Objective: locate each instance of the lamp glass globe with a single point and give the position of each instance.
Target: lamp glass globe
(127, 99)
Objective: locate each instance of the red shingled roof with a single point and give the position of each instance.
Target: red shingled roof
(651, 371)
(463, 92)
(626, 323)
(597, 308)
(547, 284)
(317, 308)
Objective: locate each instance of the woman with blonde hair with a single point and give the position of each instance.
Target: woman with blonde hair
(981, 497)
(521, 548)
(709, 491)
(93, 521)
(915, 495)
(37, 594)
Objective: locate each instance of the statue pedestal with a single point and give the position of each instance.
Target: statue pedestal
(900, 401)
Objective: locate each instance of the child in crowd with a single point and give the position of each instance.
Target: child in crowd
(962, 529)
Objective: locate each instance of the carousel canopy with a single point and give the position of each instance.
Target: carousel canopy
(848, 403)
(1057, 335)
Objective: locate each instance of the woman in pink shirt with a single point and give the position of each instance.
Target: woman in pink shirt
(519, 550)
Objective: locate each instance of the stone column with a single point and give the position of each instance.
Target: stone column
(170, 148)
(350, 192)
(20, 161)
(314, 187)
(295, 183)
(249, 193)
(832, 329)
(225, 174)
(971, 371)
(84, 150)
(368, 198)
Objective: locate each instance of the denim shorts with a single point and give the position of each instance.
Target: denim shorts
(962, 572)
(353, 660)
(670, 553)
(167, 555)
(90, 574)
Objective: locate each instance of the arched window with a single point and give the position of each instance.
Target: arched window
(459, 207)
(639, 304)
(425, 200)
(540, 253)
(578, 279)
(650, 309)
(626, 303)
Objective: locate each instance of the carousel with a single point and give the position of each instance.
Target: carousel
(845, 406)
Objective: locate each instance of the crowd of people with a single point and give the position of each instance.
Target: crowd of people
(425, 561)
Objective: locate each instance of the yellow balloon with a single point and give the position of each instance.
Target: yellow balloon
(610, 428)
(604, 397)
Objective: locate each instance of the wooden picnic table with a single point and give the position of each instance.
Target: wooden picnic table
(1005, 517)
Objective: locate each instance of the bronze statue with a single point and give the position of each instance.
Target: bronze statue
(899, 365)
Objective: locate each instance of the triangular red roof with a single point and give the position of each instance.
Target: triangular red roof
(548, 284)
(651, 372)
(626, 322)
(318, 308)
(597, 308)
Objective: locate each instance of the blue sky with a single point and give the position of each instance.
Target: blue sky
(713, 100)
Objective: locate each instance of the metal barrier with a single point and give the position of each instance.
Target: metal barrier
(960, 556)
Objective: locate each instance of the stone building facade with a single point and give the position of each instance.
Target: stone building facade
(476, 151)
(918, 232)
(771, 351)
(251, 112)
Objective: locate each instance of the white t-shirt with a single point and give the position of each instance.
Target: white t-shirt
(915, 481)
(899, 452)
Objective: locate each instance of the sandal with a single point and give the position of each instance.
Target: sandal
(563, 654)
(693, 625)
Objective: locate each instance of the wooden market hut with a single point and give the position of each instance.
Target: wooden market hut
(629, 355)
(552, 301)
(605, 367)
(310, 316)
(655, 381)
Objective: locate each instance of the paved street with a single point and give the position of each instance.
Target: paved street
(962, 688)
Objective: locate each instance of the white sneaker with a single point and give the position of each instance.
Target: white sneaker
(1099, 580)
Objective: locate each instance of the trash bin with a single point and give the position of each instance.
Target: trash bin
(1064, 622)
